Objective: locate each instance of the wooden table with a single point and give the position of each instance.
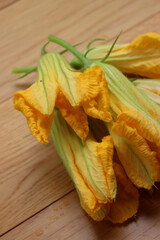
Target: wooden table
(37, 198)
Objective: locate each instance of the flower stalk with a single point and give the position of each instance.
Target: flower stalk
(70, 48)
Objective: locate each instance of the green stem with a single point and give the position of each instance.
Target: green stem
(110, 50)
(43, 50)
(70, 48)
(66, 50)
(24, 70)
(94, 40)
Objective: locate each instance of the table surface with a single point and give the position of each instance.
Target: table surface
(37, 198)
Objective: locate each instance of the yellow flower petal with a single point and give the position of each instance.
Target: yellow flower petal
(38, 123)
(63, 138)
(89, 164)
(97, 104)
(138, 160)
(99, 215)
(141, 57)
(124, 207)
(89, 90)
(72, 91)
(37, 103)
(152, 85)
(105, 154)
(124, 96)
(146, 51)
(137, 120)
(148, 129)
(127, 201)
(74, 116)
(150, 88)
(88, 84)
(76, 86)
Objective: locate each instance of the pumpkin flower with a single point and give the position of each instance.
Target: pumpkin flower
(77, 94)
(90, 166)
(88, 163)
(140, 57)
(68, 101)
(135, 129)
(150, 88)
(126, 204)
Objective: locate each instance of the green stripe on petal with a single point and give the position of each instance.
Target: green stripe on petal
(82, 160)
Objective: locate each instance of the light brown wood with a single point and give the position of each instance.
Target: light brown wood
(28, 26)
(31, 175)
(66, 220)
(6, 3)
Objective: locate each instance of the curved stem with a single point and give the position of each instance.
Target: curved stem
(66, 50)
(70, 48)
(94, 40)
(43, 50)
(24, 70)
(110, 50)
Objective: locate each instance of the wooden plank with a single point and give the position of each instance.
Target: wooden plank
(148, 25)
(28, 27)
(6, 3)
(66, 220)
(31, 176)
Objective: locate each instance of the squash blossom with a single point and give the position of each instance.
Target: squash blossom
(135, 129)
(69, 98)
(140, 57)
(90, 166)
(58, 84)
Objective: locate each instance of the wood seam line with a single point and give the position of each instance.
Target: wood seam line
(142, 21)
(37, 212)
(136, 25)
(107, 40)
(9, 4)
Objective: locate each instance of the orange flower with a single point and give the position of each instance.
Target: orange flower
(75, 93)
(124, 206)
(90, 166)
(88, 163)
(140, 57)
(135, 129)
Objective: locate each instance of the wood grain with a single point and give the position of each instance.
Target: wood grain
(31, 175)
(66, 220)
(6, 3)
(28, 26)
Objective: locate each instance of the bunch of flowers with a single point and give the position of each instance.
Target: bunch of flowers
(104, 125)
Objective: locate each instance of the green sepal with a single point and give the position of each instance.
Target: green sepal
(110, 50)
